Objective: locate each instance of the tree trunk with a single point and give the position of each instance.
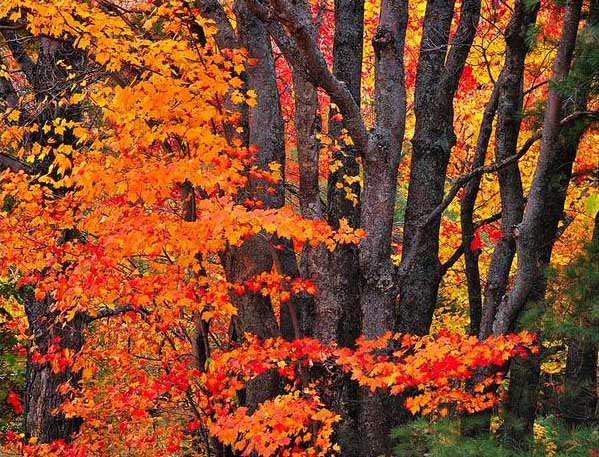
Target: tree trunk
(42, 383)
(521, 404)
(381, 162)
(437, 79)
(509, 115)
(579, 405)
(256, 255)
(343, 275)
(533, 247)
(472, 269)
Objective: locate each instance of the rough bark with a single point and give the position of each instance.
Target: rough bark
(437, 78)
(530, 231)
(347, 67)
(42, 384)
(509, 115)
(314, 259)
(381, 162)
(266, 129)
(521, 405)
(534, 249)
(225, 35)
(257, 254)
(336, 315)
(290, 25)
(343, 262)
(255, 311)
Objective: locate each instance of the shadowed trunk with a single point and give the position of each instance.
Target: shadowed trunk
(472, 269)
(509, 116)
(342, 298)
(256, 255)
(42, 396)
(437, 79)
(42, 384)
(579, 404)
(532, 244)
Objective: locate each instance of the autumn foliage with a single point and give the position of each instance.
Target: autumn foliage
(99, 224)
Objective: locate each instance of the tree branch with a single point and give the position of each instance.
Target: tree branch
(461, 181)
(303, 54)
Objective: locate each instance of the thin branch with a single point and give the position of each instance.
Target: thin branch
(14, 165)
(302, 52)
(461, 181)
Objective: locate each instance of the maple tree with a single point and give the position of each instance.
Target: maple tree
(211, 240)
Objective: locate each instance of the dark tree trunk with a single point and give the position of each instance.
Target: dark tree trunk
(472, 269)
(476, 424)
(381, 162)
(42, 383)
(336, 315)
(341, 301)
(530, 232)
(534, 243)
(521, 404)
(579, 404)
(257, 254)
(509, 115)
(42, 395)
(437, 79)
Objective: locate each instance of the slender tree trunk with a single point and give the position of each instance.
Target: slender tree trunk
(437, 79)
(476, 424)
(509, 114)
(532, 245)
(467, 216)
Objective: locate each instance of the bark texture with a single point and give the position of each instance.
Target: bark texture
(42, 395)
(257, 254)
(530, 231)
(533, 245)
(381, 162)
(509, 115)
(439, 68)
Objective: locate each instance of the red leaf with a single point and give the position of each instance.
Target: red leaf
(494, 234)
(476, 242)
(14, 401)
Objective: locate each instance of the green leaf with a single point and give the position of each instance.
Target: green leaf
(591, 206)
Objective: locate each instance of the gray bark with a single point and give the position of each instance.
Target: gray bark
(437, 78)
(530, 232)
(509, 115)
